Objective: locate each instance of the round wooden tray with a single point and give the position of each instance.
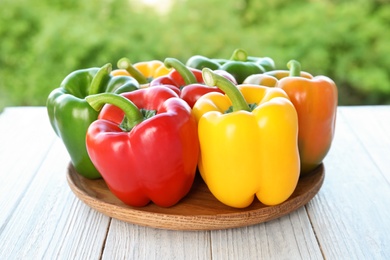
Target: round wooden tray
(199, 210)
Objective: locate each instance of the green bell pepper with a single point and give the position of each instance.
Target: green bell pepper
(70, 114)
(199, 62)
(240, 67)
(266, 63)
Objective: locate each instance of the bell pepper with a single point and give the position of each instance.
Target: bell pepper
(199, 62)
(240, 67)
(179, 76)
(248, 143)
(271, 78)
(266, 63)
(261, 79)
(144, 72)
(187, 82)
(315, 100)
(145, 145)
(70, 115)
(279, 74)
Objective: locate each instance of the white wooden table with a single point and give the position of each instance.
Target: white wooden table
(42, 219)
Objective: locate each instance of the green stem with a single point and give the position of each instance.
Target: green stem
(295, 68)
(132, 114)
(103, 72)
(125, 64)
(185, 73)
(212, 79)
(239, 55)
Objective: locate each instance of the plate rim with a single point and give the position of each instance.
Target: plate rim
(239, 218)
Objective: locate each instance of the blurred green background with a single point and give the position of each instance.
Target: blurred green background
(43, 41)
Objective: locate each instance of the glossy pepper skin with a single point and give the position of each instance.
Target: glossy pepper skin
(200, 62)
(271, 78)
(251, 151)
(70, 115)
(240, 67)
(279, 74)
(150, 156)
(315, 100)
(187, 82)
(265, 62)
(144, 72)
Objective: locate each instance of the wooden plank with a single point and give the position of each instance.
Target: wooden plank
(373, 132)
(289, 237)
(128, 241)
(49, 222)
(25, 138)
(350, 215)
(41, 218)
(20, 122)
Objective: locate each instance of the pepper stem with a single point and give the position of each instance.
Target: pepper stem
(125, 64)
(133, 115)
(212, 79)
(295, 68)
(185, 73)
(103, 72)
(239, 55)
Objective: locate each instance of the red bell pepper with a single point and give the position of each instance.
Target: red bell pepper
(146, 154)
(188, 81)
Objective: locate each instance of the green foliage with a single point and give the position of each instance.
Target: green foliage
(346, 41)
(43, 42)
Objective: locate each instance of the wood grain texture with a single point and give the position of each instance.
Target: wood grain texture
(288, 237)
(374, 134)
(351, 214)
(199, 210)
(129, 241)
(25, 138)
(41, 218)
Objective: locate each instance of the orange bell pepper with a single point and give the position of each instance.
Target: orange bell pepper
(315, 100)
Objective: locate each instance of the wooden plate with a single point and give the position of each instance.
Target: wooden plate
(199, 210)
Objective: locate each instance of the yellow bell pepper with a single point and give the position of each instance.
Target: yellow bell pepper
(250, 151)
(271, 78)
(144, 72)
